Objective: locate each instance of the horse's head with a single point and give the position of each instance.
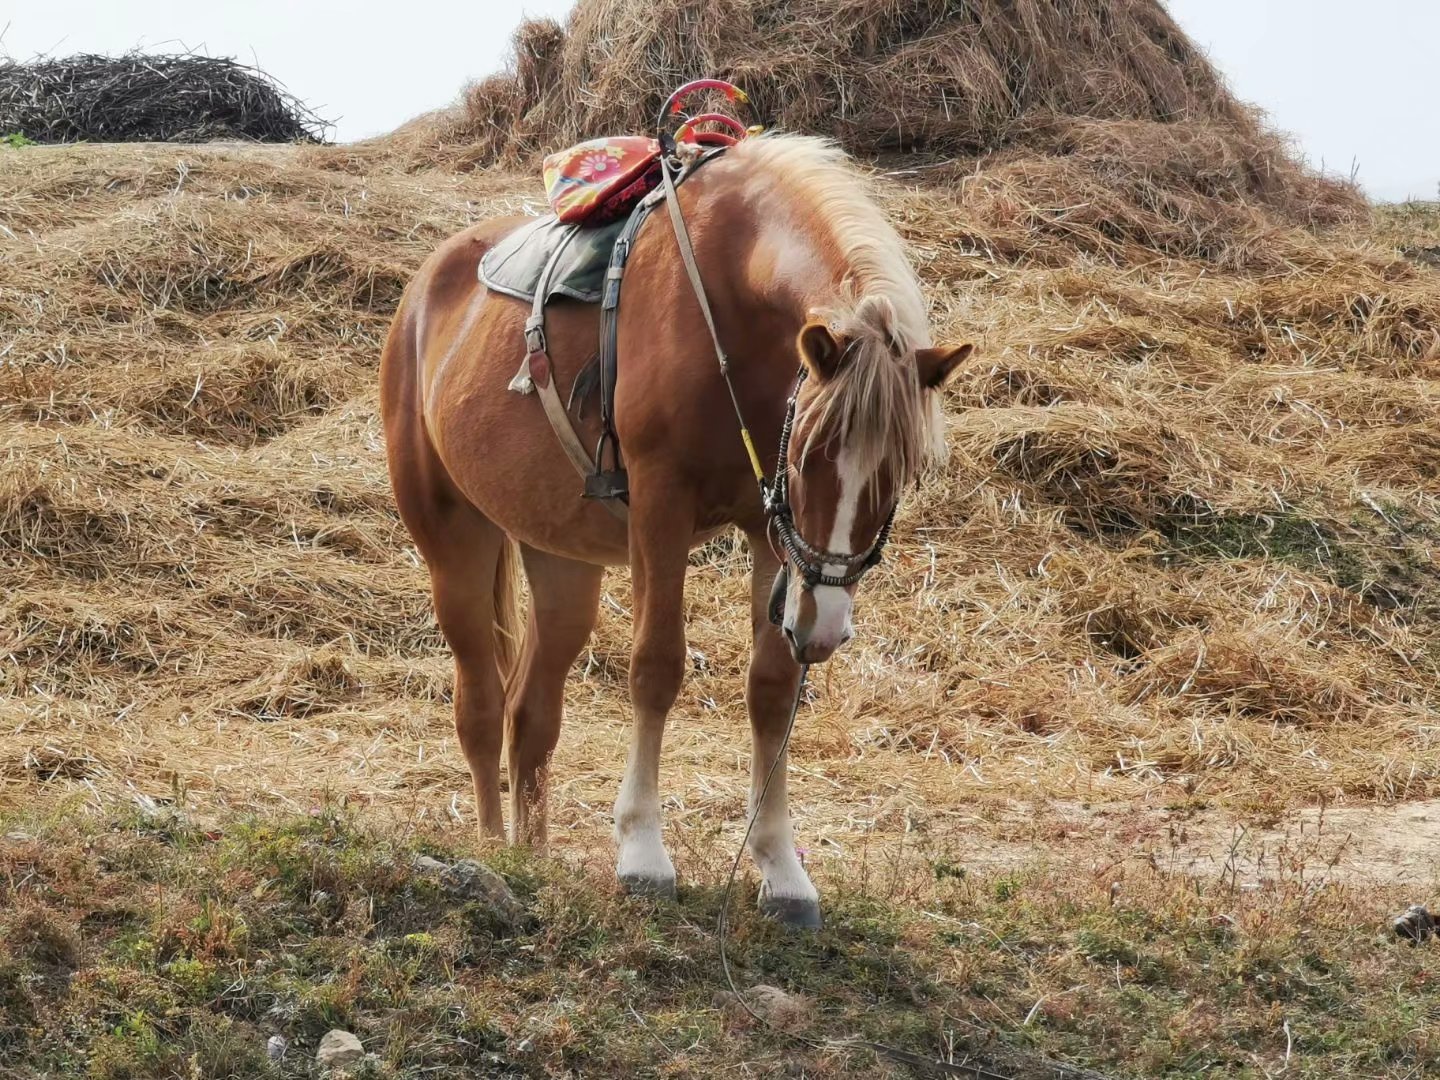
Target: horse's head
(866, 421)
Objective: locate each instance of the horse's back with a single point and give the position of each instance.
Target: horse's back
(448, 279)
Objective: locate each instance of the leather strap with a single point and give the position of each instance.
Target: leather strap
(610, 323)
(538, 373)
(610, 296)
(692, 268)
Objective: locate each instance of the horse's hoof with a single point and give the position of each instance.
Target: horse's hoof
(793, 911)
(639, 885)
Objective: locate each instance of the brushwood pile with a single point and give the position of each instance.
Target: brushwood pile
(145, 97)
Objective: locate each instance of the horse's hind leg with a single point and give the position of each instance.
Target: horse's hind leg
(472, 579)
(472, 584)
(467, 579)
(564, 598)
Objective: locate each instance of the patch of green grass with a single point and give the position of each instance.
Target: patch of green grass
(1286, 536)
(134, 951)
(1381, 553)
(16, 139)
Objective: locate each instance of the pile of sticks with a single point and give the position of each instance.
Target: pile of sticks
(139, 97)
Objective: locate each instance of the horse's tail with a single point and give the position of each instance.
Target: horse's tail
(509, 610)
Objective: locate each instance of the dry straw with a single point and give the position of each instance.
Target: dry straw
(1181, 550)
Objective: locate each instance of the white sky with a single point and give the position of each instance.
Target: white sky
(1355, 85)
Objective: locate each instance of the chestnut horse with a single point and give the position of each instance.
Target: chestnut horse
(800, 267)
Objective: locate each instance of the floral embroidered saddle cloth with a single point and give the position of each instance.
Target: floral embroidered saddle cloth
(600, 181)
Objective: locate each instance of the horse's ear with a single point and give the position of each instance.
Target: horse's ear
(821, 350)
(939, 364)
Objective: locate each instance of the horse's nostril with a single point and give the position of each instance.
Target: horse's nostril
(795, 648)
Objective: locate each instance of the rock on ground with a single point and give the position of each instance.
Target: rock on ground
(471, 880)
(338, 1049)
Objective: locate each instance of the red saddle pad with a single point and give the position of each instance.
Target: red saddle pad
(597, 181)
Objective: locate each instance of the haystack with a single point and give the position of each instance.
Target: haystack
(876, 74)
(139, 97)
(1083, 100)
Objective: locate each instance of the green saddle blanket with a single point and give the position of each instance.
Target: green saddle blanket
(514, 265)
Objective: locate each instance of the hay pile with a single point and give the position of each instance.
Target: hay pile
(1102, 107)
(877, 74)
(140, 97)
(1183, 552)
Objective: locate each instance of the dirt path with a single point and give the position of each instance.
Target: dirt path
(1359, 845)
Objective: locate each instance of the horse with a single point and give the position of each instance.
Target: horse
(822, 316)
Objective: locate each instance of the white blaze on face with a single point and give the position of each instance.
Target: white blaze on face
(833, 604)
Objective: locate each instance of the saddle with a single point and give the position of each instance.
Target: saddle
(600, 193)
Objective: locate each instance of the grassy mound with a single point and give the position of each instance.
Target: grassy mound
(145, 945)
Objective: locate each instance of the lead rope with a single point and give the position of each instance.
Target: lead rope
(894, 1053)
(692, 269)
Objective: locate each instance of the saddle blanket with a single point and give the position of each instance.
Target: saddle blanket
(601, 180)
(514, 265)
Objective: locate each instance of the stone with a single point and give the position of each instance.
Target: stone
(778, 1009)
(339, 1049)
(1415, 925)
(470, 880)
(275, 1047)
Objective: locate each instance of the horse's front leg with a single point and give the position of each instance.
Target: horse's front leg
(661, 527)
(786, 892)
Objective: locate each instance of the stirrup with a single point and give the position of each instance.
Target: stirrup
(606, 483)
(610, 484)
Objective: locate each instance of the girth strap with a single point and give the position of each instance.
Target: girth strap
(610, 300)
(537, 371)
(610, 331)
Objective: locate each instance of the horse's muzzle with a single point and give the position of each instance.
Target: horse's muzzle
(810, 652)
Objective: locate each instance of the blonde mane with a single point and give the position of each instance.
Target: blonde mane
(874, 407)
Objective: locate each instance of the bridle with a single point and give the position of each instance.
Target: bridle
(808, 560)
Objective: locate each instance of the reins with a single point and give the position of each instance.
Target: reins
(810, 562)
(894, 1053)
(692, 270)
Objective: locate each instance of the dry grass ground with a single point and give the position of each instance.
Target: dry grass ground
(1177, 580)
